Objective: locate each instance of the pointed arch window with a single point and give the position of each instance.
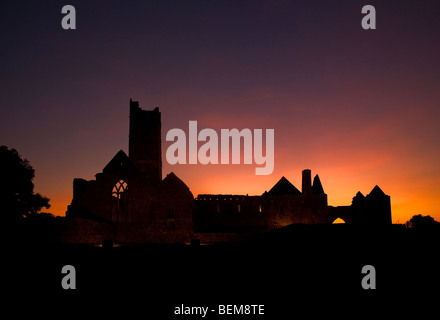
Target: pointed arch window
(119, 188)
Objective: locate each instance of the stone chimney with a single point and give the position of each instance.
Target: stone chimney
(306, 181)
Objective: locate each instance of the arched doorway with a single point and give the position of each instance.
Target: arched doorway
(338, 221)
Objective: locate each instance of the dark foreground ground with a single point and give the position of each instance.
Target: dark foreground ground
(298, 272)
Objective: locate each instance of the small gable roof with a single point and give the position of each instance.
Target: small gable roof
(283, 186)
(359, 195)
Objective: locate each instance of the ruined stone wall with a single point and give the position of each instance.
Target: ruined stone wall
(86, 231)
(224, 213)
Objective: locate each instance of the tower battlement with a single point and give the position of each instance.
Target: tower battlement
(145, 145)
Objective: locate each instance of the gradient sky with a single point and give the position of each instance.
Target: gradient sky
(357, 107)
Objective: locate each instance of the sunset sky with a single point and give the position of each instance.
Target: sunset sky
(358, 107)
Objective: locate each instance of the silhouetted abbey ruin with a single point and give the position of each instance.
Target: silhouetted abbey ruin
(129, 202)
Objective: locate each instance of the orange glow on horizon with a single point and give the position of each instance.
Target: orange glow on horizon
(340, 188)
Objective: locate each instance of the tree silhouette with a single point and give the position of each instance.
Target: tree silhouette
(17, 195)
(419, 221)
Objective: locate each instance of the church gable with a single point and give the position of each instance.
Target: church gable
(174, 183)
(172, 209)
(120, 162)
(377, 193)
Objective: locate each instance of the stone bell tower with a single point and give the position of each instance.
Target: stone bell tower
(145, 145)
